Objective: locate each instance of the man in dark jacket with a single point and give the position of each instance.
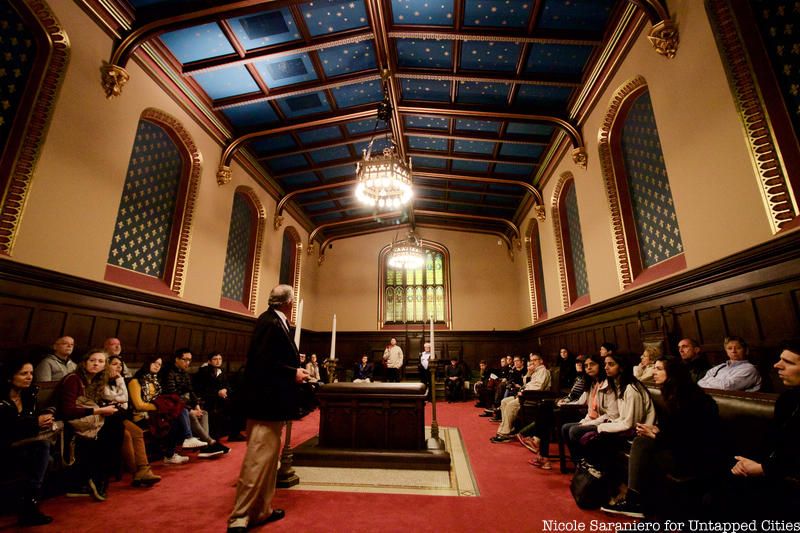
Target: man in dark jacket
(271, 397)
(212, 386)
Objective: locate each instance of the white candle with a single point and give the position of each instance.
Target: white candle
(433, 351)
(333, 339)
(297, 324)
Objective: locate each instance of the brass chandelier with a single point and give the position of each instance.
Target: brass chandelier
(407, 254)
(384, 180)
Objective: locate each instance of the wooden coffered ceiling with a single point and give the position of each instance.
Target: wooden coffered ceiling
(486, 94)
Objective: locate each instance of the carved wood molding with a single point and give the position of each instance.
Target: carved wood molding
(296, 268)
(54, 45)
(177, 276)
(559, 235)
(623, 263)
(531, 234)
(773, 177)
(261, 214)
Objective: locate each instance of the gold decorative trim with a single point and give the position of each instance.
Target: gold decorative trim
(481, 79)
(298, 255)
(224, 175)
(773, 182)
(560, 251)
(533, 226)
(487, 36)
(261, 213)
(113, 78)
(623, 262)
(664, 37)
(177, 278)
(15, 195)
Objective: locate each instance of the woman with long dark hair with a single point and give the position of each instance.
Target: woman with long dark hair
(602, 404)
(81, 395)
(20, 421)
(689, 415)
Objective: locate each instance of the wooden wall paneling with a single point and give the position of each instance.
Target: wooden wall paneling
(740, 320)
(14, 324)
(104, 328)
(128, 334)
(210, 342)
(148, 340)
(47, 325)
(634, 339)
(197, 343)
(620, 334)
(166, 341)
(182, 337)
(710, 324)
(686, 326)
(79, 326)
(776, 317)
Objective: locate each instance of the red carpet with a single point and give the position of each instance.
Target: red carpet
(514, 496)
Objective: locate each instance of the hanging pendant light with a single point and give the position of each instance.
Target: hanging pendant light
(407, 254)
(384, 180)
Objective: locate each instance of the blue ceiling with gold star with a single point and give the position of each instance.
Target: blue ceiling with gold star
(306, 78)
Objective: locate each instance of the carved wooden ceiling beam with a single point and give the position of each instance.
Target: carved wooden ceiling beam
(494, 77)
(483, 218)
(278, 220)
(367, 218)
(224, 170)
(114, 75)
(482, 34)
(579, 154)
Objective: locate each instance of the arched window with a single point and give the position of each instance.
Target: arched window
(413, 296)
(648, 239)
(536, 274)
(35, 51)
(290, 265)
(569, 243)
(243, 255)
(154, 219)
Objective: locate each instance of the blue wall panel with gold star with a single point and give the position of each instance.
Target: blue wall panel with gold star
(147, 208)
(651, 199)
(576, 242)
(18, 50)
(237, 257)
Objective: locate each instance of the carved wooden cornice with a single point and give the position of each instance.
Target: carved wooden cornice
(533, 228)
(45, 83)
(664, 35)
(261, 215)
(177, 277)
(769, 165)
(623, 262)
(558, 231)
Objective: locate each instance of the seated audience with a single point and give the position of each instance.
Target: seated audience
(303, 360)
(511, 386)
(81, 395)
(58, 364)
(737, 373)
(498, 379)
(21, 421)
(538, 379)
(566, 365)
(769, 486)
(312, 367)
(133, 448)
(215, 392)
(113, 346)
(454, 381)
(634, 406)
(602, 406)
(665, 449)
(177, 381)
(578, 393)
(362, 373)
(163, 414)
(482, 383)
(644, 370)
(696, 362)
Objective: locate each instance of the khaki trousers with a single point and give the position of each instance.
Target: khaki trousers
(509, 408)
(256, 485)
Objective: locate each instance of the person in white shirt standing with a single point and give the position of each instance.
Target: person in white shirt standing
(393, 357)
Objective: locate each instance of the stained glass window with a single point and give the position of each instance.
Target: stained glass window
(415, 295)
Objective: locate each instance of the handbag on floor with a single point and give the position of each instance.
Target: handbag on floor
(589, 486)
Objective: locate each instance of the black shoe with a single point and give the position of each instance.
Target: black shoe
(500, 438)
(277, 514)
(221, 446)
(78, 492)
(486, 415)
(30, 515)
(237, 529)
(625, 508)
(209, 451)
(237, 438)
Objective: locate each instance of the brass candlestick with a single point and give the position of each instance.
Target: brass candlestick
(286, 475)
(434, 442)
